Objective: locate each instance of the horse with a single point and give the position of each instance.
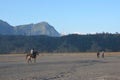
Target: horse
(33, 56)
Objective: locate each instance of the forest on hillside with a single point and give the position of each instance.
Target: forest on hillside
(70, 43)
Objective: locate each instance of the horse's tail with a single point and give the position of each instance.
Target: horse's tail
(26, 56)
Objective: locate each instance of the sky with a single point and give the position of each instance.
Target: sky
(67, 16)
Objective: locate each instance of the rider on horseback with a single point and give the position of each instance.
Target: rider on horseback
(31, 51)
(33, 54)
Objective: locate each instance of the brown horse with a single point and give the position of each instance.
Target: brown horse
(33, 56)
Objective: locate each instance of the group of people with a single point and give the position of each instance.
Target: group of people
(100, 54)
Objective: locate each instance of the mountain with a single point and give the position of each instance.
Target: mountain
(5, 28)
(23, 29)
(42, 28)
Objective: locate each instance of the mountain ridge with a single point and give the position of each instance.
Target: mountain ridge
(41, 28)
(5, 28)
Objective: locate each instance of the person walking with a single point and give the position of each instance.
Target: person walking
(98, 54)
(103, 54)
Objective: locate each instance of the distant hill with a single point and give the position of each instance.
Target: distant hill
(42, 28)
(5, 28)
(64, 44)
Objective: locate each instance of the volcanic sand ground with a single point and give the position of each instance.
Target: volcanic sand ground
(76, 66)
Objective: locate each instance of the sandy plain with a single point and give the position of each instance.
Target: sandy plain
(65, 66)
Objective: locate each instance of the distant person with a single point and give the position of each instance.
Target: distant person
(98, 54)
(103, 54)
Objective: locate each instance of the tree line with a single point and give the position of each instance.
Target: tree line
(70, 43)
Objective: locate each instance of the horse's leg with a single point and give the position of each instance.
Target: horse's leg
(34, 60)
(29, 60)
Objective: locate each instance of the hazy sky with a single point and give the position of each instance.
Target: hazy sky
(68, 16)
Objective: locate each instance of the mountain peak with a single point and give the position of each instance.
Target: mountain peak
(44, 28)
(43, 22)
(5, 28)
(41, 28)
